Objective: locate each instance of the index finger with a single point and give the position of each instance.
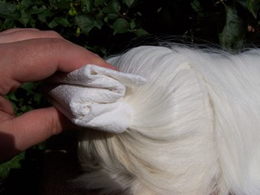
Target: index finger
(21, 34)
(37, 59)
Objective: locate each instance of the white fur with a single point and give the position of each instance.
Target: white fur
(195, 127)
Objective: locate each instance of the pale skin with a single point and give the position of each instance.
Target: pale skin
(34, 55)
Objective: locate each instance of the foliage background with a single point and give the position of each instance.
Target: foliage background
(107, 27)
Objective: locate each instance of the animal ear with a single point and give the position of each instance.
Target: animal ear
(92, 97)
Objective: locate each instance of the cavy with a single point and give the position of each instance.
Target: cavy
(194, 126)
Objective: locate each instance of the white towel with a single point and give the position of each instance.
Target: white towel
(93, 97)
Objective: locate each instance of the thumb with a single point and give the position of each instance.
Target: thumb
(30, 129)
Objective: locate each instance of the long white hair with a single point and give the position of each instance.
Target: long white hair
(195, 128)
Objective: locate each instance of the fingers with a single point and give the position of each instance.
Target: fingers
(40, 58)
(17, 29)
(33, 55)
(37, 59)
(30, 129)
(14, 35)
(7, 108)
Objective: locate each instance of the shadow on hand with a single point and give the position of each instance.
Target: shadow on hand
(7, 147)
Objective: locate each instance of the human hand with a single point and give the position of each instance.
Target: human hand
(33, 55)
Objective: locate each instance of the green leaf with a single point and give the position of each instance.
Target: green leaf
(63, 21)
(132, 24)
(72, 11)
(196, 6)
(9, 11)
(234, 31)
(87, 6)
(113, 7)
(112, 16)
(129, 3)
(87, 23)
(61, 4)
(253, 7)
(99, 15)
(37, 98)
(28, 86)
(140, 32)
(27, 3)
(38, 10)
(52, 24)
(12, 164)
(44, 15)
(99, 2)
(11, 96)
(25, 17)
(120, 26)
(9, 23)
(59, 21)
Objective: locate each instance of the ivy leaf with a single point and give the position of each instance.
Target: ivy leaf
(63, 21)
(15, 163)
(113, 7)
(132, 24)
(27, 3)
(59, 21)
(234, 31)
(112, 16)
(8, 23)
(37, 98)
(72, 11)
(25, 17)
(253, 7)
(87, 23)
(28, 86)
(196, 6)
(120, 26)
(99, 2)
(42, 16)
(87, 5)
(129, 3)
(38, 10)
(61, 4)
(9, 11)
(140, 32)
(11, 96)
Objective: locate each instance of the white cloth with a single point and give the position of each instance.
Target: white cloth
(93, 97)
